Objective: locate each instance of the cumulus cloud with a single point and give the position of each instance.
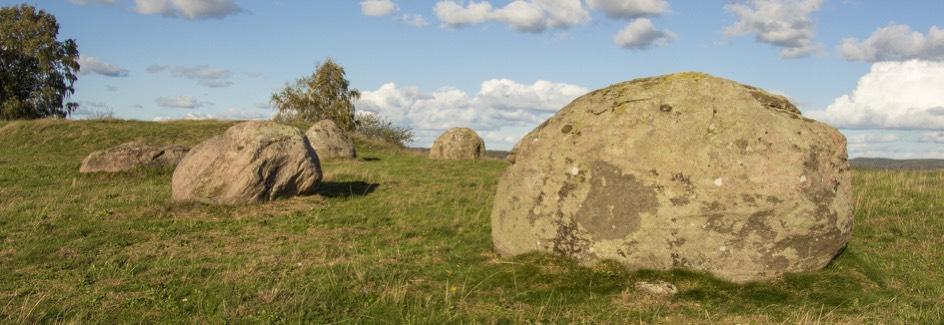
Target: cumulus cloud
(203, 74)
(899, 95)
(189, 9)
(870, 138)
(895, 43)
(498, 104)
(228, 114)
(89, 65)
(641, 34)
(782, 23)
(531, 16)
(382, 8)
(378, 8)
(622, 9)
(935, 137)
(187, 102)
(414, 20)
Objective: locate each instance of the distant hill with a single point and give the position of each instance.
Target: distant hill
(884, 163)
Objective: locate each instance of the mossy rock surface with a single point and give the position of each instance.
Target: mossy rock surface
(680, 171)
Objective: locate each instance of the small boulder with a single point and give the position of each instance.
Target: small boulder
(683, 171)
(330, 141)
(660, 288)
(458, 144)
(130, 156)
(251, 162)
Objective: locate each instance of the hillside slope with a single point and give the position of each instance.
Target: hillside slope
(392, 238)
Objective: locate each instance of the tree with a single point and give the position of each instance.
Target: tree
(323, 95)
(37, 72)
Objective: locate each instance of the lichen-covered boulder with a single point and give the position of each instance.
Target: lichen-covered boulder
(251, 162)
(458, 144)
(330, 142)
(679, 171)
(132, 155)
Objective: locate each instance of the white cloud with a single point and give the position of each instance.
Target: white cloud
(89, 65)
(414, 20)
(378, 8)
(895, 43)
(869, 138)
(641, 34)
(935, 137)
(228, 114)
(622, 9)
(86, 2)
(204, 75)
(900, 95)
(189, 9)
(783, 23)
(454, 15)
(499, 104)
(187, 102)
(382, 8)
(532, 16)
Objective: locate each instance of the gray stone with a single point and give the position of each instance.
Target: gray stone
(679, 171)
(661, 288)
(251, 162)
(330, 141)
(130, 156)
(458, 144)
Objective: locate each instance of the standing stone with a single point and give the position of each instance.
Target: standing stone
(679, 171)
(458, 144)
(251, 162)
(330, 142)
(130, 156)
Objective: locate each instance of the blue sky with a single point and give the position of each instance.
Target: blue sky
(503, 66)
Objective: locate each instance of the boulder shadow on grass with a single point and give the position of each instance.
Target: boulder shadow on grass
(346, 189)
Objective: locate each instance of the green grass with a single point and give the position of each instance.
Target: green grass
(394, 238)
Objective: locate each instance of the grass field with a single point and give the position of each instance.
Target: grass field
(393, 238)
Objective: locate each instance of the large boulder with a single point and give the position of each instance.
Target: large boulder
(251, 162)
(130, 156)
(458, 144)
(679, 171)
(330, 141)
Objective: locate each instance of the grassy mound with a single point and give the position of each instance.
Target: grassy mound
(392, 238)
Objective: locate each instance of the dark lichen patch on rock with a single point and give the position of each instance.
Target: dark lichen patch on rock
(757, 224)
(816, 244)
(567, 241)
(778, 103)
(615, 203)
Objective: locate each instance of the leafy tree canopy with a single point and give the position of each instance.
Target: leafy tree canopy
(37, 72)
(326, 94)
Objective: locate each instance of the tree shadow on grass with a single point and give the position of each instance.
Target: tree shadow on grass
(346, 189)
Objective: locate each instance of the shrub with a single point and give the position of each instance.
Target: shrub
(376, 127)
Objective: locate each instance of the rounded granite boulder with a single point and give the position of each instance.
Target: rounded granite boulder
(458, 144)
(679, 171)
